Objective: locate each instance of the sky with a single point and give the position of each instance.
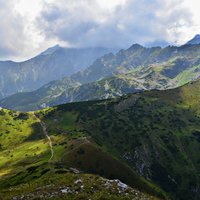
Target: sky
(28, 27)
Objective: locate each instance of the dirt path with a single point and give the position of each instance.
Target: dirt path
(44, 128)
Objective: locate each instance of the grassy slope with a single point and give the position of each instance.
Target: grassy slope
(79, 186)
(156, 134)
(24, 165)
(188, 75)
(18, 136)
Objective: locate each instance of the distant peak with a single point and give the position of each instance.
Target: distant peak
(195, 40)
(197, 36)
(157, 43)
(51, 50)
(135, 47)
(56, 46)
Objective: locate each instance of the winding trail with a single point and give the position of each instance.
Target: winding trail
(44, 128)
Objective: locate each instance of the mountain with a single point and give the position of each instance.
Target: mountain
(195, 40)
(51, 50)
(160, 43)
(39, 162)
(137, 55)
(67, 90)
(149, 141)
(132, 70)
(52, 64)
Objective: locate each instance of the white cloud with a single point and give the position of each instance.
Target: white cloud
(194, 28)
(11, 26)
(29, 27)
(20, 37)
(96, 23)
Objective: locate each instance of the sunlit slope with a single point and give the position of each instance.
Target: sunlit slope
(156, 133)
(26, 162)
(152, 136)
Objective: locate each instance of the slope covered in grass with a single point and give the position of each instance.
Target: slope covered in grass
(149, 140)
(25, 168)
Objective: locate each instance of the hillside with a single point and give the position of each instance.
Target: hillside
(53, 64)
(28, 169)
(154, 134)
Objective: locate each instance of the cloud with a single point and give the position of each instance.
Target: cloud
(19, 35)
(85, 23)
(11, 28)
(28, 27)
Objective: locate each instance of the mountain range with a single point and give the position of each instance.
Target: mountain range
(132, 70)
(52, 64)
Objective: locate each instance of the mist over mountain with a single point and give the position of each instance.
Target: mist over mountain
(52, 64)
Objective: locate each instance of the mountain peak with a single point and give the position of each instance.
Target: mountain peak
(197, 36)
(51, 50)
(195, 40)
(135, 47)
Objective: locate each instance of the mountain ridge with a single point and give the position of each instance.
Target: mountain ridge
(194, 41)
(31, 74)
(135, 69)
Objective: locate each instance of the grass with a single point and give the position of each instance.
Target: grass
(154, 137)
(28, 161)
(188, 75)
(94, 188)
